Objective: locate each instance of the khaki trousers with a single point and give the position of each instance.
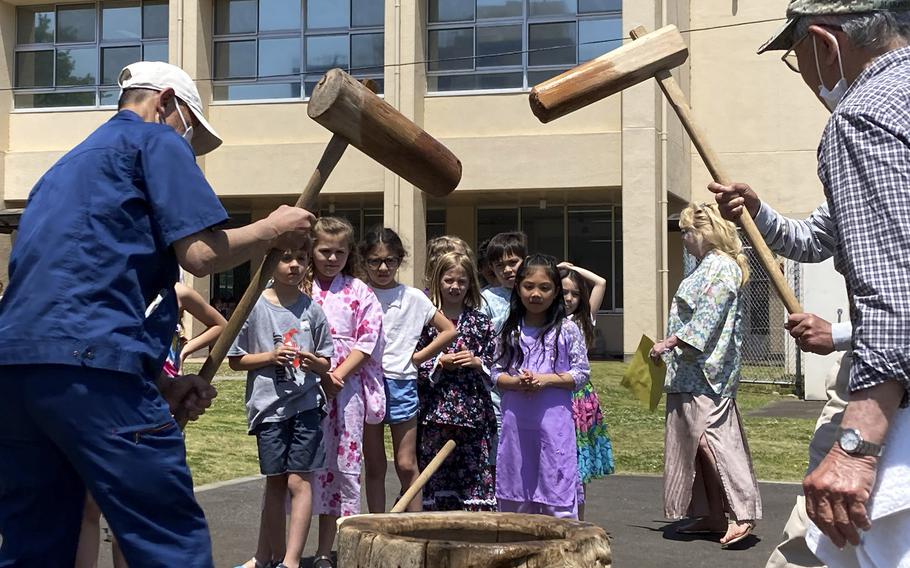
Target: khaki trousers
(793, 552)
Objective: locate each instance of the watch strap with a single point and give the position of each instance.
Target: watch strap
(864, 448)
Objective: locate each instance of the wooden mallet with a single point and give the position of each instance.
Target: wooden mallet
(650, 55)
(358, 117)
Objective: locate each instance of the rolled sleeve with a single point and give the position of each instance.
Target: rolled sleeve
(182, 201)
(709, 312)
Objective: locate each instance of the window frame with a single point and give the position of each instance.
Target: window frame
(525, 21)
(99, 45)
(567, 208)
(301, 33)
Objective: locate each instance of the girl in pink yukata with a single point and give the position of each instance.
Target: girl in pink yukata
(541, 360)
(356, 389)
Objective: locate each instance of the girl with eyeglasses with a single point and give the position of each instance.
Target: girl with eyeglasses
(406, 311)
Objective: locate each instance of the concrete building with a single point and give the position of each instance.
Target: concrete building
(592, 187)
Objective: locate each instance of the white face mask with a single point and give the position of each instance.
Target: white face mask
(187, 128)
(833, 96)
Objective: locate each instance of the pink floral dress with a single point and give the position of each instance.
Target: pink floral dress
(355, 319)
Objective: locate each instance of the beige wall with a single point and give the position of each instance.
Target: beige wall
(761, 118)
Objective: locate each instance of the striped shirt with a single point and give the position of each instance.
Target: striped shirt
(864, 166)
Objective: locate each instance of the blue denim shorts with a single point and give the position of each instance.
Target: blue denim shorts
(400, 400)
(293, 445)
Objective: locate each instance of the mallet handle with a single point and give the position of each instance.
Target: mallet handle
(308, 200)
(680, 104)
(424, 476)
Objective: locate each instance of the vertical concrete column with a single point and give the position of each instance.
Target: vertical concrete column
(640, 186)
(190, 29)
(190, 45)
(7, 56)
(404, 206)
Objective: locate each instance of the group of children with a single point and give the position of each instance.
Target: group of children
(336, 348)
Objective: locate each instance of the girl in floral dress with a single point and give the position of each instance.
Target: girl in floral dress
(455, 403)
(595, 451)
(357, 394)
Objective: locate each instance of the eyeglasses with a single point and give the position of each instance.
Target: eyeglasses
(391, 262)
(789, 58)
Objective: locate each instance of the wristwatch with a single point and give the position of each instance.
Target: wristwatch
(851, 441)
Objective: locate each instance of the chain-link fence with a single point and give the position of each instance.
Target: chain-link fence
(769, 354)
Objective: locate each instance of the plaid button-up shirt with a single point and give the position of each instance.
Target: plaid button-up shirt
(864, 165)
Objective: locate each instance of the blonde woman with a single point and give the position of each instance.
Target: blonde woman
(708, 473)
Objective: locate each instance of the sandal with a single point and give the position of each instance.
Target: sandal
(750, 526)
(323, 561)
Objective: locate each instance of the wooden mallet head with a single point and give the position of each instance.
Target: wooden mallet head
(609, 74)
(350, 110)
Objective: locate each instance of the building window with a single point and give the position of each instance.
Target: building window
(594, 236)
(70, 55)
(515, 44)
(279, 49)
(436, 223)
(361, 219)
(493, 221)
(589, 236)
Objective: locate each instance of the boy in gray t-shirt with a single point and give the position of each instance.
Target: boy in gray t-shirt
(283, 387)
(286, 348)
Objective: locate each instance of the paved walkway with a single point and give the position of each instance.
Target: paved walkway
(628, 507)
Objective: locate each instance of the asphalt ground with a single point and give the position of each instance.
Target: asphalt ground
(629, 508)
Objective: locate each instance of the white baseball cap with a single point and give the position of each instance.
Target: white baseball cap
(158, 76)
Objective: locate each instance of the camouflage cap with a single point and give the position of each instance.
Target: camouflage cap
(783, 39)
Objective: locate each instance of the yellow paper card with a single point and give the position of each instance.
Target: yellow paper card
(644, 377)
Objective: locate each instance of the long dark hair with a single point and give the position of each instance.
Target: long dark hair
(510, 337)
(582, 315)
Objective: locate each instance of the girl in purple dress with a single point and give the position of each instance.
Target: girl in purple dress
(541, 360)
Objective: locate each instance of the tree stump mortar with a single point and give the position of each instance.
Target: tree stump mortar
(470, 540)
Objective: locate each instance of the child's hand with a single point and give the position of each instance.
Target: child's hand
(331, 384)
(529, 381)
(447, 360)
(283, 355)
(314, 363)
(466, 358)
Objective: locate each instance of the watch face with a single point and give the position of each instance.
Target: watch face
(850, 440)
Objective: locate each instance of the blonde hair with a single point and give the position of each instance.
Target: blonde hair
(707, 225)
(439, 246)
(447, 262)
(332, 227)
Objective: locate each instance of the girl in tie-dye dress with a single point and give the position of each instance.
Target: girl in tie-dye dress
(357, 394)
(583, 292)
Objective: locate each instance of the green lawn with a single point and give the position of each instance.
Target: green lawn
(219, 448)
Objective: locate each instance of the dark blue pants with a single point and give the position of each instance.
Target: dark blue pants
(66, 429)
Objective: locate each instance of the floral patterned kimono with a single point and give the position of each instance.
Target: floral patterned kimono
(703, 374)
(456, 405)
(355, 319)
